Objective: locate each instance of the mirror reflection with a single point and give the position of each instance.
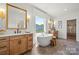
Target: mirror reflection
(16, 17)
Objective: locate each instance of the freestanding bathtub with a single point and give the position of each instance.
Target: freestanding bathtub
(44, 39)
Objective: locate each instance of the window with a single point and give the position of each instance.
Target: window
(39, 24)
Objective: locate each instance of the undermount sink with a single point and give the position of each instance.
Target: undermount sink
(27, 32)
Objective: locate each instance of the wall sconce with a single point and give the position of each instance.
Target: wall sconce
(49, 21)
(28, 18)
(54, 22)
(2, 13)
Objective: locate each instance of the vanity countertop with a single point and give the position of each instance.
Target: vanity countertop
(5, 35)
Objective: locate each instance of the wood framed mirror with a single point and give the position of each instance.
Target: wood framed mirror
(16, 17)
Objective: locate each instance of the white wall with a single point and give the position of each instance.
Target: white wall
(63, 31)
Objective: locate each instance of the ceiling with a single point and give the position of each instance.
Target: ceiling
(58, 9)
(54, 9)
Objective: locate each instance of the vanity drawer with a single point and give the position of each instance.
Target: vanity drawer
(4, 38)
(17, 37)
(13, 37)
(30, 35)
(30, 38)
(4, 46)
(5, 43)
(4, 50)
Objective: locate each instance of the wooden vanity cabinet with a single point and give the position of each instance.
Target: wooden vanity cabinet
(4, 45)
(23, 44)
(18, 44)
(30, 41)
(14, 45)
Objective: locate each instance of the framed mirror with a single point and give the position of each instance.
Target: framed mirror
(2, 18)
(16, 17)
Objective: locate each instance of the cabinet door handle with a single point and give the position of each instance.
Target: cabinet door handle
(19, 42)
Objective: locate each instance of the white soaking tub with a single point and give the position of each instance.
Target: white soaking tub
(44, 39)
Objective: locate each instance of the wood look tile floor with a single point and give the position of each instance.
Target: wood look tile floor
(63, 47)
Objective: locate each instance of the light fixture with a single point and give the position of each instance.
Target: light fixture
(54, 22)
(2, 13)
(50, 21)
(28, 18)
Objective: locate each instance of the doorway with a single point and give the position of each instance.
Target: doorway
(71, 29)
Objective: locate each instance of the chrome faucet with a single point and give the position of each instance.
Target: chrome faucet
(17, 30)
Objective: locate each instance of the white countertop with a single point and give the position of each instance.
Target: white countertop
(13, 34)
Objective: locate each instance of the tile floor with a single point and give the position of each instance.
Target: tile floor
(63, 47)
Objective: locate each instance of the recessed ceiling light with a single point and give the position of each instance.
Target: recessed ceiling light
(65, 9)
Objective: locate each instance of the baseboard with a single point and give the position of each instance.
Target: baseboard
(77, 40)
(62, 38)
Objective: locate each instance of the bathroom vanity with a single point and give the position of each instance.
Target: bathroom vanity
(14, 44)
